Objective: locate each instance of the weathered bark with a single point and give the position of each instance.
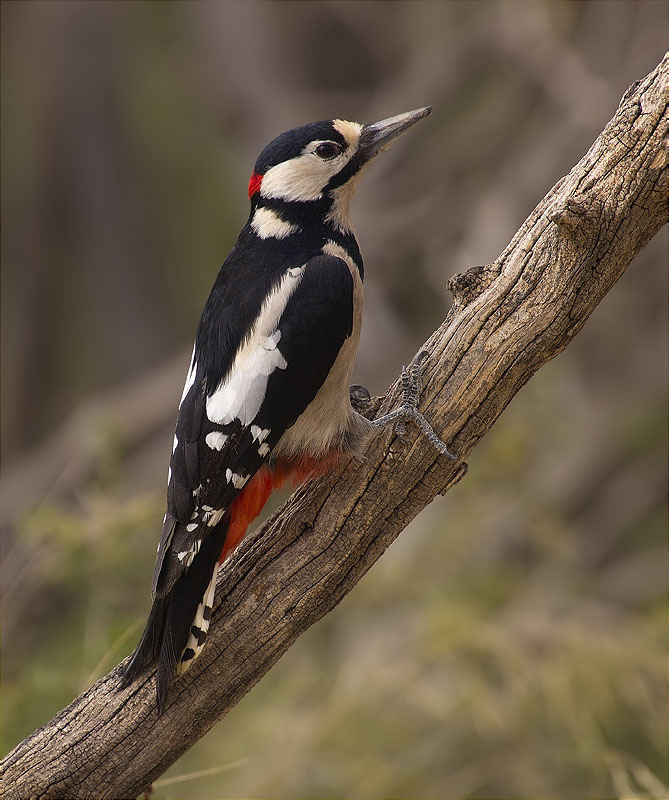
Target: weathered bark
(508, 319)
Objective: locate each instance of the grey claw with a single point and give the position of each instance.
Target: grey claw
(408, 410)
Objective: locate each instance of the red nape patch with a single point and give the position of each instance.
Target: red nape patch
(254, 184)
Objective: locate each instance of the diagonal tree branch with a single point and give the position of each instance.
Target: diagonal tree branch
(508, 319)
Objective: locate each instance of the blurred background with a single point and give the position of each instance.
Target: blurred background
(513, 641)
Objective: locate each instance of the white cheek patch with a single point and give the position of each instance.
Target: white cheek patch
(269, 225)
(304, 177)
(300, 179)
(241, 393)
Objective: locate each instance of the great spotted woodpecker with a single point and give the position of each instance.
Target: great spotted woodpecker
(266, 398)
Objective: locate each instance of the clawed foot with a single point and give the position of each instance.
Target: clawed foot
(411, 387)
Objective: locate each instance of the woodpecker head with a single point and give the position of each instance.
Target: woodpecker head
(314, 170)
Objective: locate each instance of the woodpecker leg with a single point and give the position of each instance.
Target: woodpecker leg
(411, 388)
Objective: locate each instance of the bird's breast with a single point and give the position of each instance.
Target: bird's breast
(325, 423)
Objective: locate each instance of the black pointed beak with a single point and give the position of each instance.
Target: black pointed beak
(378, 135)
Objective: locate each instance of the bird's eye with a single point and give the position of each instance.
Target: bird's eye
(327, 150)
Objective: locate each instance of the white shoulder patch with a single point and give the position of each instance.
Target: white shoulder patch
(242, 391)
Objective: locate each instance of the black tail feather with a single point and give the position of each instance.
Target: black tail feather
(171, 617)
(148, 648)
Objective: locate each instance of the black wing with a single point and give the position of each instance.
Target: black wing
(217, 451)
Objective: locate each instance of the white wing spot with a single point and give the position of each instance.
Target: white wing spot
(213, 517)
(263, 450)
(238, 481)
(259, 434)
(192, 526)
(216, 440)
(175, 443)
(190, 554)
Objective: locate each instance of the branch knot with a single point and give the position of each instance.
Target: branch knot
(576, 213)
(467, 286)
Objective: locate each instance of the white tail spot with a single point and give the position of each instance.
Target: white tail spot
(200, 626)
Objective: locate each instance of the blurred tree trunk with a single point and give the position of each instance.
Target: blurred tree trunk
(508, 319)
